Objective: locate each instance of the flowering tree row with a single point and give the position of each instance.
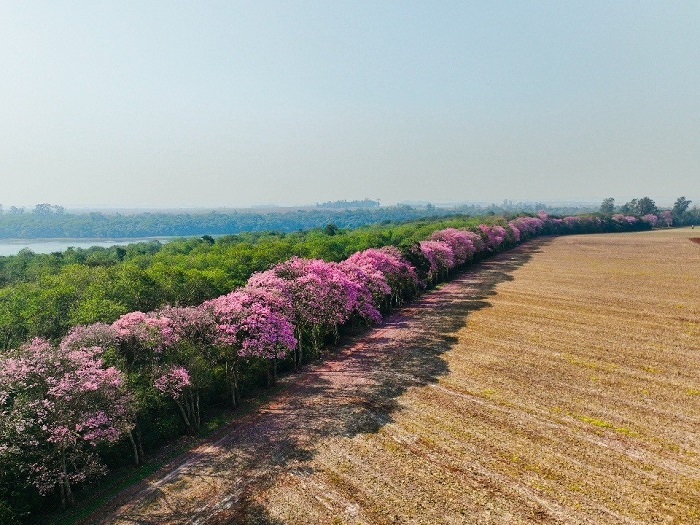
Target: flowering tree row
(60, 402)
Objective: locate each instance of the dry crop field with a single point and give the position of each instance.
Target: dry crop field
(555, 383)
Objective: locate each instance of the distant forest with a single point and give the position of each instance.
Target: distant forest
(49, 221)
(366, 203)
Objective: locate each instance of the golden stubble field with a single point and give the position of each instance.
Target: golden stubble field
(556, 383)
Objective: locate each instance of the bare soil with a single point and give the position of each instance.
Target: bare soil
(558, 383)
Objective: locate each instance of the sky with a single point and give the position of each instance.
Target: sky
(220, 104)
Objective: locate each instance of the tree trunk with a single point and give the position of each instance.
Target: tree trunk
(137, 459)
(69, 494)
(184, 414)
(67, 498)
(234, 386)
(62, 490)
(196, 406)
(299, 351)
(315, 336)
(139, 441)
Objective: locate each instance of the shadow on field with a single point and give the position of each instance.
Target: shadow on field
(354, 390)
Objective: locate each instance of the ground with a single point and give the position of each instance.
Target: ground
(555, 383)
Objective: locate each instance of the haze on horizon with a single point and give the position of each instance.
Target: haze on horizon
(221, 104)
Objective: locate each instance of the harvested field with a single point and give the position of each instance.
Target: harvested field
(556, 383)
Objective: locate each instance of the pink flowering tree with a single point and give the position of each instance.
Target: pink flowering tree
(97, 334)
(493, 236)
(339, 297)
(623, 222)
(527, 226)
(322, 297)
(667, 217)
(175, 383)
(186, 359)
(460, 242)
(56, 406)
(107, 338)
(399, 274)
(513, 233)
(141, 335)
(440, 256)
(650, 219)
(372, 289)
(251, 324)
(572, 224)
(142, 344)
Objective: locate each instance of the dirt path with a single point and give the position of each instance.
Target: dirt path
(551, 384)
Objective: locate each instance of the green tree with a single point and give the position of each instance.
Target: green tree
(630, 208)
(608, 206)
(330, 229)
(680, 210)
(645, 206)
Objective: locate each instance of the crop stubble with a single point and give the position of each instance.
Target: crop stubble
(556, 383)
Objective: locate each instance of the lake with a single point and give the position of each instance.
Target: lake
(13, 246)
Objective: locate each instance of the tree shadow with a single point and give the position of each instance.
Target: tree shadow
(354, 390)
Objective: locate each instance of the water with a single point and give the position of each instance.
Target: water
(13, 246)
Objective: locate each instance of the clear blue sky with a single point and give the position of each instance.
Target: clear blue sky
(198, 104)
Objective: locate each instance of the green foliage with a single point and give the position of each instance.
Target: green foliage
(45, 295)
(608, 206)
(681, 215)
(640, 207)
(47, 221)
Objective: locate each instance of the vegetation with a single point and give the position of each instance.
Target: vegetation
(344, 204)
(50, 221)
(167, 367)
(47, 221)
(45, 295)
(554, 384)
(679, 215)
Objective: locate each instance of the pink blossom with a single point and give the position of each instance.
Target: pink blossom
(255, 326)
(493, 236)
(439, 255)
(667, 217)
(173, 382)
(528, 226)
(650, 219)
(153, 331)
(97, 334)
(64, 398)
(460, 242)
(400, 275)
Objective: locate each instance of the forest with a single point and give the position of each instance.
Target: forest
(89, 380)
(46, 221)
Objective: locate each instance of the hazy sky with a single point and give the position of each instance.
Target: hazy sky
(145, 103)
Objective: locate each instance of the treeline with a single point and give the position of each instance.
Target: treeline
(44, 295)
(680, 214)
(343, 204)
(76, 402)
(47, 221)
